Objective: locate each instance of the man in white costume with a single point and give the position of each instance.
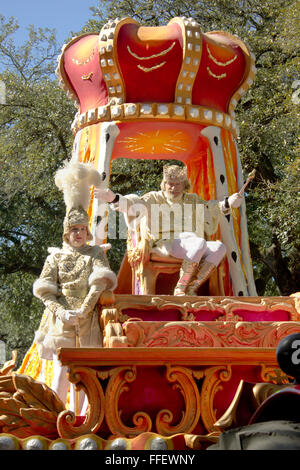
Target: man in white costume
(200, 257)
(73, 278)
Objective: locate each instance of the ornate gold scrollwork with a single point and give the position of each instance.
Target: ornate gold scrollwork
(213, 377)
(111, 320)
(84, 378)
(114, 336)
(135, 256)
(162, 304)
(273, 375)
(119, 379)
(183, 379)
(109, 315)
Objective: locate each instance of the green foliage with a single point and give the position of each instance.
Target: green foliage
(20, 313)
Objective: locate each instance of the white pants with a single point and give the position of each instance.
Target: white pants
(193, 248)
(61, 384)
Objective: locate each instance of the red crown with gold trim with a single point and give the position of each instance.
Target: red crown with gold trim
(174, 72)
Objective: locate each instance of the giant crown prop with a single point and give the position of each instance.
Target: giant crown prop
(111, 76)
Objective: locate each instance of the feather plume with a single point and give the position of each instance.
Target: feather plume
(74, 180)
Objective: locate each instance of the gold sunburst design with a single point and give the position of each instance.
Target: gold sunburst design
(162, 141)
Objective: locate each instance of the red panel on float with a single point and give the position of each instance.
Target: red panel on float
(81, 67)
(221, 72)
(150, 69)
(151, 391)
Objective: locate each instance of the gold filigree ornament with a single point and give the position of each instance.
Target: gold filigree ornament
(218, 62)
(273, 375)
(135, 256)
(85, 379)
(119, 380)
(184, 380)
(87, 76)
(218, 77)
(230, 317)
(150, 69)
(153, 56)
(184, 309)
(213, 378)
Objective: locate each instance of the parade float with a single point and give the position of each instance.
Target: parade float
(174, 372)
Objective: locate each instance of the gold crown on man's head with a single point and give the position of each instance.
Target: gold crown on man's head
(174, 172)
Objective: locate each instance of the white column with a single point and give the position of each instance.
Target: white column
(239, 284)
(108, 134)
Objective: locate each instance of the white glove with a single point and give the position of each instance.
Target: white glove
(235, 200)
(69, 317)
(106, 195)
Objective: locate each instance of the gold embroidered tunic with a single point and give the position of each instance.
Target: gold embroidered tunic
(191, 214)
(71, 279)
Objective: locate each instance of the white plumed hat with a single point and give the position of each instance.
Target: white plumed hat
(75, 180)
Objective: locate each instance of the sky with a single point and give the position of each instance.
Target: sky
(63, 15)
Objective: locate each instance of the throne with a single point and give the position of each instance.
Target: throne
(147, 266)
(155, 273)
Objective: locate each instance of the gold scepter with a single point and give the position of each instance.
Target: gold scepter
(251, 176)
(77, 345)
